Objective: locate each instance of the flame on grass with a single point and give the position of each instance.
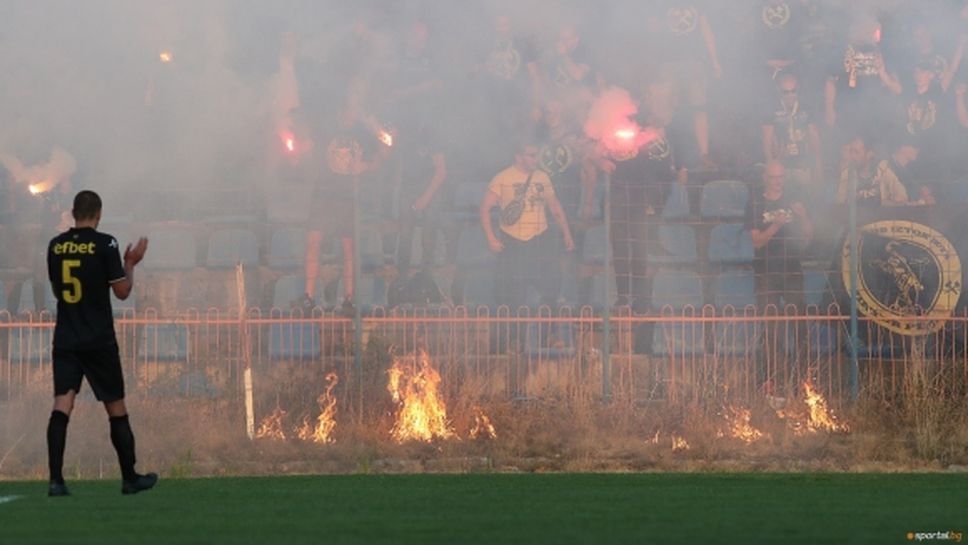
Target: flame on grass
(271, 426)
(818, 417)
(739, 425)
(483, 429)
(421, 413)
(678, 443)
(322, 431)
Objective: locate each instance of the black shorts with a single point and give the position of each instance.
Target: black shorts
(101, 366)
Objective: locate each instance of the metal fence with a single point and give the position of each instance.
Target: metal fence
(685, 357)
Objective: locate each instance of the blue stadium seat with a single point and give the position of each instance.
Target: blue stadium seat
(479, 288)
(734, 289)
(295, 340)
(674, 293)
(730, 244)
(289, 203)
(673, 337)
(677, 203)
(164, 342)
(172, 249)
(723, 199)
(467, 200)
(594, 293)
(372, 292)
(595, 245)
(676, 289)
(227, 247)
(570, 291)
(416, 249)
(372, 256)
(472, 248)
(734, 294)
(814, 288)
(27, 345)
(289, 289)
(287, 248)
(675, 245)
(27, 303)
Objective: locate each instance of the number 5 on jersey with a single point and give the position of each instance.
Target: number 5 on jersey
(72, 285)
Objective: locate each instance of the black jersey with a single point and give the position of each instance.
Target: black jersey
(82, 264)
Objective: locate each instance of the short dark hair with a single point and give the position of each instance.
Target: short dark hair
(87, 205)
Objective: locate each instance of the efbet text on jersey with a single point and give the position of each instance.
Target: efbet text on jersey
(73, 248)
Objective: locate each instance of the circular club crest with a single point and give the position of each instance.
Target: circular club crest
(905, 270)
(555, 159)
(682, 21)
(345, 156)
(659, 149)
(776, 15)
(503, 63)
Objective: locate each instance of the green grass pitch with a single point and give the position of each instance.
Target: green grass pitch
(494, 508)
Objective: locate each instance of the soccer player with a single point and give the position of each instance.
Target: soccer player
(82, 265)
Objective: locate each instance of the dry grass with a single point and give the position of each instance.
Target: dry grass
(560, 424)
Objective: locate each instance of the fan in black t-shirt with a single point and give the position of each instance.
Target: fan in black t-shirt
(780, 229)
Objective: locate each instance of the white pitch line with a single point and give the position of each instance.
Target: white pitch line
(8, 499)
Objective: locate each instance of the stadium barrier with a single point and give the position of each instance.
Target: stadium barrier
(678, 357)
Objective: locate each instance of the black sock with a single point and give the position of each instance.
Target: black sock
(123, 440)
(56, 442)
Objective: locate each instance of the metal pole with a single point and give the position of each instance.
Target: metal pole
(606, 314)
(853, 263)
(357, 315)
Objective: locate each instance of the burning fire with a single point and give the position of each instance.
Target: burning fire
(386, 137)
(483, 429)
(322, 432)
(740, 427)
(165, 56)
(818, 416)
(422, 414)
(288, 142)
(40, 187)
(271, 426)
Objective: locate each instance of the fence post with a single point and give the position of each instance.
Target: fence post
(607, 311)
(852, 263)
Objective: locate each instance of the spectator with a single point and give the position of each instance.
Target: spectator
(512, 82)
(566, 157)
(858, 91)
(790, 135)
(898, 167)
(685, 41)
(423, 171)
(874, 185)
(352, 150)
(568, 71)
(781, 230)
(527, 256)
(644, 168)
(926, 55)
(778, 32)
(960, 91)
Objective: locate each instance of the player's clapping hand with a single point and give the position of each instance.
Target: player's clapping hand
(134, 255)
